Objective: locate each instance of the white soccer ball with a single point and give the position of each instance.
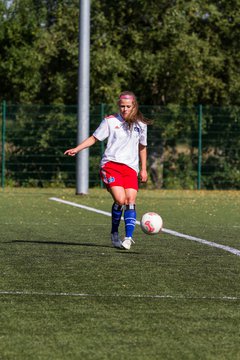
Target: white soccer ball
(151, 223)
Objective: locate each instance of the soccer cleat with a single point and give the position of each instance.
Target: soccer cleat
(116, 240)
(127, 242)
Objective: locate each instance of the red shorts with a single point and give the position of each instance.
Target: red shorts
(115, 174)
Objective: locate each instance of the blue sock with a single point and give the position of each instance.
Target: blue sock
(116, 217)
(130, 219)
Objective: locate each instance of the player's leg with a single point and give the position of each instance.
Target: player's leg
(112, 177)
(118, 195)
(129, 217)
(131, 188)
(130, 212)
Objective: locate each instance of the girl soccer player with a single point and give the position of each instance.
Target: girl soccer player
(126, 147)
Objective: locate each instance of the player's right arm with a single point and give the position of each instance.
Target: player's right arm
(85, 144)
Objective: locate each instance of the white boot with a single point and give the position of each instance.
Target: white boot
(127, 242)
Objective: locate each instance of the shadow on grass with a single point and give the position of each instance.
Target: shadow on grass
(70, 244)
(58, 243)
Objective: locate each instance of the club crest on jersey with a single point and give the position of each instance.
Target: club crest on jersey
(136, 129)
(111, 179)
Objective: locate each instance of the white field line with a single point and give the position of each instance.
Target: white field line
(167, 231)
(137, 296)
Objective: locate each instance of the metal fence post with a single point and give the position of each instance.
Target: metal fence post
(3, 142)
(83, 97)
(199, 147)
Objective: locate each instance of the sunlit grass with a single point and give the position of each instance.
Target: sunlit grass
(167, 298)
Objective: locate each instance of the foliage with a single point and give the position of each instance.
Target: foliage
(38, 52)
(174, 55)
(167, 52)
(36, 137)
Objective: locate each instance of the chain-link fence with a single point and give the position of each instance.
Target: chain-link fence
(188, 148)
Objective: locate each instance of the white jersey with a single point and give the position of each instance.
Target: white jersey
(123, 143)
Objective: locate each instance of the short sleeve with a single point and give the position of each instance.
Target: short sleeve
(143, 135)
(102, 132)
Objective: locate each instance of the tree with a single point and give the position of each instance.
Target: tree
(167, 52)
(38, 52)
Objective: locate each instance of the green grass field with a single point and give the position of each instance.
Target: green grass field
(65, 293)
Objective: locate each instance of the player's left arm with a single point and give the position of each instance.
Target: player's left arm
(143, 161)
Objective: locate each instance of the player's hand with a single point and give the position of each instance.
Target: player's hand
(143, 176)
(71, 152)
